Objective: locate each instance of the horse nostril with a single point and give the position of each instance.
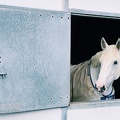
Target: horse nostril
(102, 89)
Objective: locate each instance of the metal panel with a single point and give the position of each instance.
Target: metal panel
(34, 59)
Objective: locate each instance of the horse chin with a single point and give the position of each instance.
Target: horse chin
(109, 85)
(107, 88)
(102, 90)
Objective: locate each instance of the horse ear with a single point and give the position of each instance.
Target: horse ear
(103, 43)
(118, 44)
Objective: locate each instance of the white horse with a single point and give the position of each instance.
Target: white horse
(93, 79)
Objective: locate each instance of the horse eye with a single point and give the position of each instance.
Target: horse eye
(115, 62)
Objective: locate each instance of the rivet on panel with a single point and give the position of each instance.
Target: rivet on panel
(40, 99)
(51, 98)
(60, 97)
(67, 97)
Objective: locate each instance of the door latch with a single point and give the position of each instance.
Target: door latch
(3, 72)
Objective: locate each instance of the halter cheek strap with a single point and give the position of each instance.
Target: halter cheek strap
(104, 97)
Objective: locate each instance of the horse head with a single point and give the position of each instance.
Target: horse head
(108, 61)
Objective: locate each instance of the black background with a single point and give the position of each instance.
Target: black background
(86, 34)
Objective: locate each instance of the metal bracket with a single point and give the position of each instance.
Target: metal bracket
(3, 72)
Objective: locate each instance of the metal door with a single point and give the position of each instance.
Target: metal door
(34, 59)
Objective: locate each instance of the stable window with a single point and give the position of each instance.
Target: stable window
(86, 33)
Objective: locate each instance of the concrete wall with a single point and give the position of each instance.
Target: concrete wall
(97, 110)
(92, 5)
(96, 5)
(51, 114)
(100, 113)
(105, 113)
(41, 4)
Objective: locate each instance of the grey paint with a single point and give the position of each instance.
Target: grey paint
(35, 55)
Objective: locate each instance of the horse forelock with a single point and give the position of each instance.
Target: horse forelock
(109, 54)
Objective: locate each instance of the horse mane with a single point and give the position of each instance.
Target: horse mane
(95, 59)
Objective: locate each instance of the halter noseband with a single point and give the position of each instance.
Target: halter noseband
(108, 97)
(104, 97)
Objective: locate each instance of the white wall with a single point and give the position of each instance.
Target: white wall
(107, 113)
(100, 113)
(112, 6)
(42, 4)
(51, 114)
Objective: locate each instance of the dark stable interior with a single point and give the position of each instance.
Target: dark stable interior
(86, 34)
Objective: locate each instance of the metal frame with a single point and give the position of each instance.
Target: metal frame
(94, 104)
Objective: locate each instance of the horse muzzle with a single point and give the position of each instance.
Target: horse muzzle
(100, 89)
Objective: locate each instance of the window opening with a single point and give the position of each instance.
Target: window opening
(86, 33)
